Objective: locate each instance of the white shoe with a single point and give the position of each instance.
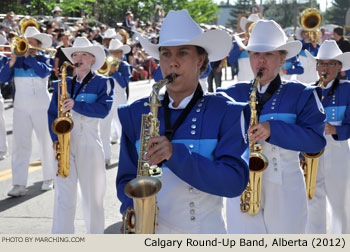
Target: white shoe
(47, 185)
(3, 155)
(17, 191)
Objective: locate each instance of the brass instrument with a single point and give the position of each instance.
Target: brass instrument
(310, 20)
(250, 198)
(309, 162)
(25, 22)
(105, 69)
(20, 45)
(142, 219)
(63, 125)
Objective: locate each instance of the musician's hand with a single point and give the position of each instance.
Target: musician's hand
(259, 132)
(158, 150)
(330, 129)
(68, 104)
(12, 60)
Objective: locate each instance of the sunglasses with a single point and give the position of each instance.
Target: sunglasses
(329, 64)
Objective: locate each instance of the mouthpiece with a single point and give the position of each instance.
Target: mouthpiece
(170, 78)
(324, 75)
(77, 64)
(260, 73)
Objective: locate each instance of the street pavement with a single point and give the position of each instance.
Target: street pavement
(32, 213)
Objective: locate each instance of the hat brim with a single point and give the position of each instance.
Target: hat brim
(125, 48)
(344, 58)
(95, 50)
(215, 42)
(293, 48)
(243, 23)
(45, 39)
(118, 36)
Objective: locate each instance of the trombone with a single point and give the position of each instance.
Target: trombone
(20, 45)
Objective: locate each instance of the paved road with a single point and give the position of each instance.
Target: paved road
(32, 214)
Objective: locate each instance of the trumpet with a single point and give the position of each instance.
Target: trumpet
(105, 69)
(20, 46)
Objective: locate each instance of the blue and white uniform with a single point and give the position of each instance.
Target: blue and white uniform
(30, 113)
(333, 177)
(245, 72)
(297, 121)
(310, 74)
(209, 162)
(293, 67)
(110, 125)
(86, 157)
(3, 139)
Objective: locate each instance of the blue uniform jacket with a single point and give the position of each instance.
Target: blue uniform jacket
(293, 66)
(236, 53)
(95, 100)
(123, 74)
(209, 150)
(295, 114)
(37, 66)
(337, 109)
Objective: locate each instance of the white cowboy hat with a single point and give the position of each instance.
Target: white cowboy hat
(57, 8)
(178, 28)
(82, 44)
(111, 34)
(251, 19)
(32, 32)
(329, 50)
(3, 40)
(116, 44)
(267, 36)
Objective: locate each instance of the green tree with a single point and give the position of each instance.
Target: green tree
(337, 12)
(241, 6)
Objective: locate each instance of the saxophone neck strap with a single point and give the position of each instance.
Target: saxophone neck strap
(170, 129)
(274, 85)
(87, 78)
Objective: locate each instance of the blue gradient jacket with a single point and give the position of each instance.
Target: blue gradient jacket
(94, 100)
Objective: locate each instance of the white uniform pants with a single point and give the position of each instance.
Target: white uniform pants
(283, 210)
(3, 140)
(332, 191)
(24, 122)
(110, 126)
(87, 170)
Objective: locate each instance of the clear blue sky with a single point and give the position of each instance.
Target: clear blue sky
(321, 2)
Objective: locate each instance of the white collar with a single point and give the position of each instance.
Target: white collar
(263, 88)
(182, 104)
(329, 85)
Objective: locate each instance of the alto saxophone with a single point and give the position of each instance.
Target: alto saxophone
(309, 162)
(250, 198)
(142, 219)
(63, 125)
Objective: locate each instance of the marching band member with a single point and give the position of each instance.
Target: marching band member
(30, 73)
(333, 176)
(310, 75)
(291, 119)
(206, 156)
(3, 140)
(238, 53)
(90, 99)
(110, 125)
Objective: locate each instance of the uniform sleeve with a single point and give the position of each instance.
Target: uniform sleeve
(123, 75)
(228, 174)
(343, 131)
(307, 134)
(128, 156)
(52, 111)
(6, 73)
(41, 67)
(101, 107)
